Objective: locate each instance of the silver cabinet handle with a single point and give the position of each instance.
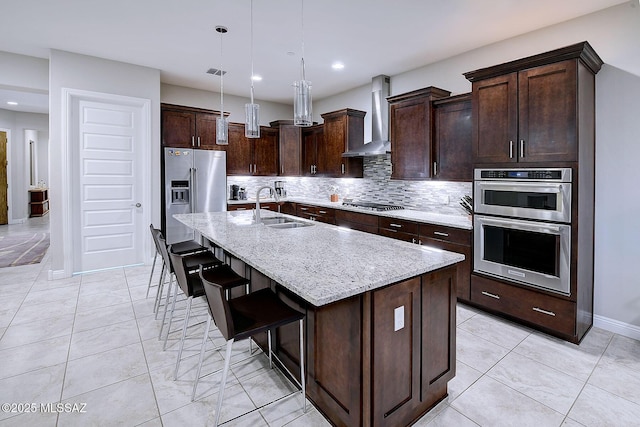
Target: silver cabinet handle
(435, 168)
(198, 141)
(193, 141)
(395, 225)
(419, 242)
(490, 295)
(282, 170)
(343, 168)
(311, 169)
(322, 212)
(241, 209)
(304, 209)
(255, 168)
(522, 148)
(440, 233)
(548, 313)
(511, 149)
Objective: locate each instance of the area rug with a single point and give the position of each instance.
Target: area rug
(23, 248)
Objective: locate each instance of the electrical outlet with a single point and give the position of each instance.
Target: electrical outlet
(398, 318)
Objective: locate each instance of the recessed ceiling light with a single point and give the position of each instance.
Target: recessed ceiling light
(256, 78)
(12, 103)
(337, 65)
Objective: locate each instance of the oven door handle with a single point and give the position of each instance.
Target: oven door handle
(521, 225)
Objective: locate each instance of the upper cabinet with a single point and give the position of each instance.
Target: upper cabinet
(342, 129)
(529, 110)
(186, 127)
(312, 139)
(252, 156)
(289, 147)
(411, 118)
(452, 139)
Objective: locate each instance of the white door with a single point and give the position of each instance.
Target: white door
(107, 165)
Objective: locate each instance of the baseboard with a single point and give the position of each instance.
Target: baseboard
(18, 221)
(57, 274)
(621, 328)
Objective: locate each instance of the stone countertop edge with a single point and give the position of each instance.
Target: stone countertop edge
(321, 263)
(448, 220)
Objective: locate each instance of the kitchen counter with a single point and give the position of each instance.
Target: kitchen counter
(320, 263)
(457, 221)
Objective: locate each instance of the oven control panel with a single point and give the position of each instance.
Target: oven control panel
(558, 174)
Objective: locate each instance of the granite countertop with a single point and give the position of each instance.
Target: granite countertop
(321, 263)
(457, 221)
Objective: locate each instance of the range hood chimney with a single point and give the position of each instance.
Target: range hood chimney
(379, 121)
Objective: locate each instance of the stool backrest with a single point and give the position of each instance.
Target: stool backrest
(180, 270)
(219, 308)
(164, 251)
(154, 234)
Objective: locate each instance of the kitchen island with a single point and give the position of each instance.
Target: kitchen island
(380, 325)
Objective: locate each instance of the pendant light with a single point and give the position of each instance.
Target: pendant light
(222, 123)
(302, 91)
(252, 110)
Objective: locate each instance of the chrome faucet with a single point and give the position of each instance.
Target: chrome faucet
(275, 196)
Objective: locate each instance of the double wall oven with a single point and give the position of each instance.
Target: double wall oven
(522, 226)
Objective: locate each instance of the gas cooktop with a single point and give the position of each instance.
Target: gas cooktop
(372, 206)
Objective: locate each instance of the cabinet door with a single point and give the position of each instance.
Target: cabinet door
(396, 352)
(265, 152)
(290, 150)
(410, 139)
(330, 151)
(495, 119)
(178, 128)
(239, 158)
(206, 131)
(463, 279)
(310, 139)
(452, 141)
(547, 113)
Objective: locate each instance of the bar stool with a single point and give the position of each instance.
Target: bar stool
(192, 287)
(186, 247)
(241, 318)
(192, 262)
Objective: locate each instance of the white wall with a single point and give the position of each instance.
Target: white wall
(69, 70)
(18, 123)
(179, 95)
(24, 72)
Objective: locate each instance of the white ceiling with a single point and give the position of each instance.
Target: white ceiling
(370, 37)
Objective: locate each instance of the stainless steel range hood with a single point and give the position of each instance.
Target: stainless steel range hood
(379, 121)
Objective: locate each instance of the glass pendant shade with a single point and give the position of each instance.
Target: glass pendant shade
(222, 131)
(302, 114)
(252, 120)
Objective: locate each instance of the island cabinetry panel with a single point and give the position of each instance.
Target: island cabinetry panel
(357, 221)
(552, 314)
(398, 229)
(342, 129)
(452, 138)
(316, 213)
(527, 111)
(411, 135)
(289, 147)
(383, 358)
(187, 127)
(454, 240)
(252, 156)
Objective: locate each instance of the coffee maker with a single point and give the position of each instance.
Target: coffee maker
(234, 192)
(279, 187)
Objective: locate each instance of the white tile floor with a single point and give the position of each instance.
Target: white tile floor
(92, 340)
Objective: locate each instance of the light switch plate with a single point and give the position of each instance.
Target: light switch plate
(398, 318)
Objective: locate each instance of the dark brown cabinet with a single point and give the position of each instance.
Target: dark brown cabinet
(454, 240)
(289, 147)
(38, 202)
(342, 129)
(357, 221)
(272, 206)
(252, 156)
(411, 121)
(186, 127)
(312, 140)
(529, 110)
(316, 213)
(452, 139)
(398, 229)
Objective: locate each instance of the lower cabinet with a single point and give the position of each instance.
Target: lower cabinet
(383, 358)
(316, 213)
(357, 221)
(551, 314)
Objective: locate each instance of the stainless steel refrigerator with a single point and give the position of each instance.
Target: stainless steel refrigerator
(195, 181)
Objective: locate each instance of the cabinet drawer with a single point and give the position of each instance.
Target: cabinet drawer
(400, 235)
(448, 234)
(398, 225)
(356, 217)
(539, 309)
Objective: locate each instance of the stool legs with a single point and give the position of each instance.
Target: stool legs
(202, 348)
(166, 304)
(184, 333)
(156, 307)
(153, 267)
(224, 380)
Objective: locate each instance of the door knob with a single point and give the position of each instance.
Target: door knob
(137, 205)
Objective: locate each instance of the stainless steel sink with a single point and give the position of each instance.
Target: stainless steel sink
(282, 222)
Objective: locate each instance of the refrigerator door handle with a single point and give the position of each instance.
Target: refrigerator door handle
(192, 172)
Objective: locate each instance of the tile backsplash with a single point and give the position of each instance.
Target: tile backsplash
(377, 185)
